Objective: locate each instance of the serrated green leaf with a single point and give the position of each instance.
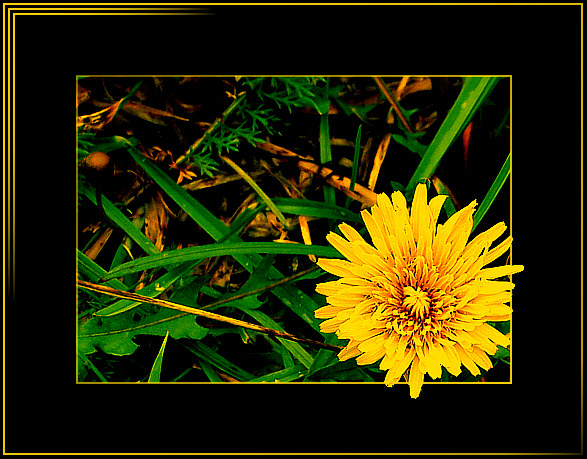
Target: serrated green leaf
(114, 335)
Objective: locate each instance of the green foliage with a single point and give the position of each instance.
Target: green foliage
(291, 92)
(155, 375)
(114, 335)
(109, 327)
(254, 114)
(493, 191)
(474, 92)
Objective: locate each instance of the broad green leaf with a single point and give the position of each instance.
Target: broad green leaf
(155, 375)
(186, 291)
(114, 335)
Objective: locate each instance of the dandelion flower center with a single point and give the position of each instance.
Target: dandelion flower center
(417, 302)
(419, 298)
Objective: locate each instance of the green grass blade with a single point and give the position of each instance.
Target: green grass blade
(355, 169)
(475, 90)
(152, 290)
(94, 272)
(209, 371)
(449, 207)
(155, 375)
(93, 368)
(216, 250)
(204, 353)
(285, 375)
(119, 219)
(300, 303)
(315, 209)
(240, 222)
(326, 155)
(492, 193)
(266, 199)
(295, 348)
(214, 227)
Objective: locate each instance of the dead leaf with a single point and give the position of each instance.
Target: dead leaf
(156, 220)
(82, 95)
(261, 226)
(364, 161)
(218, 179)
(93, 252)
(378, 160)
(306, 236)
(153, 115)
(440, 187)
(99, 119)
(361, 194)
(401, 87)
(466, 144)
(222, 275)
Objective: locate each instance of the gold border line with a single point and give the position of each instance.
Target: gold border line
(4, 217)
(511, 177)
(323, 4)
(8, 160)
(17, 6)
(582, 247)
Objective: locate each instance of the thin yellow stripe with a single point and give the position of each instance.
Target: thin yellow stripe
(331, 4)
(511, 224)
(5, 141)
(186, 13)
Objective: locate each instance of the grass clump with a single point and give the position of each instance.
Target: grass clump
(219, 194)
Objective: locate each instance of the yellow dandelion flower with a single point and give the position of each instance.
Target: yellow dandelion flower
(420, 298)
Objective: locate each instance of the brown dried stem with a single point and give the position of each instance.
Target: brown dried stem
(393, 103)
(211, 315)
